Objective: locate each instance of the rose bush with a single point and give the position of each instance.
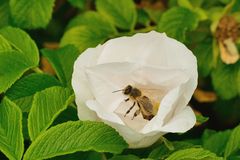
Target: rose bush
(162, 68)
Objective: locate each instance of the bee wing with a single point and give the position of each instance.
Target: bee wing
(146, 103)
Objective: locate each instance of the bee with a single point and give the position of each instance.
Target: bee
(145, 106)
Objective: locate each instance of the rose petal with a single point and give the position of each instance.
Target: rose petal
(171, 105)
(135, 139)
(106, 78)
(102, 113)
(151, 48)
(155, 49)
(181, 122)
(80, 83)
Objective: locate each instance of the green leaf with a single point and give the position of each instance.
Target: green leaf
(233, 143)
(4, 13)
(22, 43)
(177, 21)
(8, 75)
(11, 137)
(201, 119)
(161, 152)
(31, 13)
(143, 17)
(123, 13)
(83, 33)
(201, 13)
(93, 19)
(167, 143)
(236, 6)
(4, 45)
(62, 61)
(22, 56)
(75, 136)
(84, 37)
(46, 106)
(185, 3)
(70, 114)
(216, 142)
(154, 14)
(78, 3)
(193, 154)
(90, 155)
(125, 157)
(23, 90)
(226, 80)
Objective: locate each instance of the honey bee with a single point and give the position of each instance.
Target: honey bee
(145, 106)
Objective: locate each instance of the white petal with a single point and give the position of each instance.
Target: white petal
(133, 138)
(152, 49)
(181, 122)
(80, 84)
(102, 113)
(172, 104)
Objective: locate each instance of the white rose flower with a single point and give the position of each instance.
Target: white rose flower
(163, 69)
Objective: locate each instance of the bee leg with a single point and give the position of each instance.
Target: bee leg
(126, 99)
(138, 104)
(130, 109)
(136, 113)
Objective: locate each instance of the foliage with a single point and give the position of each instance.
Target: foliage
(37, 102)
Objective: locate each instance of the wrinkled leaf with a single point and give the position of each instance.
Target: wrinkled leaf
(226, 80)
(75, 136)
(176, 21)
(11, 137)
(84, 37)
(46, 106)
(62, 61)
(193, 154)
(31, 13)
(123, 13)
(23, 90)
(233, 143)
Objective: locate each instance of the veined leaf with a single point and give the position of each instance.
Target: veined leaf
(11, 137)
(193, 154)
(78, 3)
(233, 143)
(22, 56)
(8, 75)
(46, 106)
(22, 43)
(93, 19)
(84, 37)
(23, 90)
(161, 152)
(62, 61)
(75, 136)
(123, 13)
(226, 80)
(204, 53)
(31, 13)
(125, 157)
(176, 21)
(4, 45)
(89, 155)
(216, 142)
(4, 13)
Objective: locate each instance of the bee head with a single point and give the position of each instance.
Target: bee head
(127, 90)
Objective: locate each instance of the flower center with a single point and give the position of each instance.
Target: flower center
(139, 106)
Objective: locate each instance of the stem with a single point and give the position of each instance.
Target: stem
(37, 70)
(104, 156)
